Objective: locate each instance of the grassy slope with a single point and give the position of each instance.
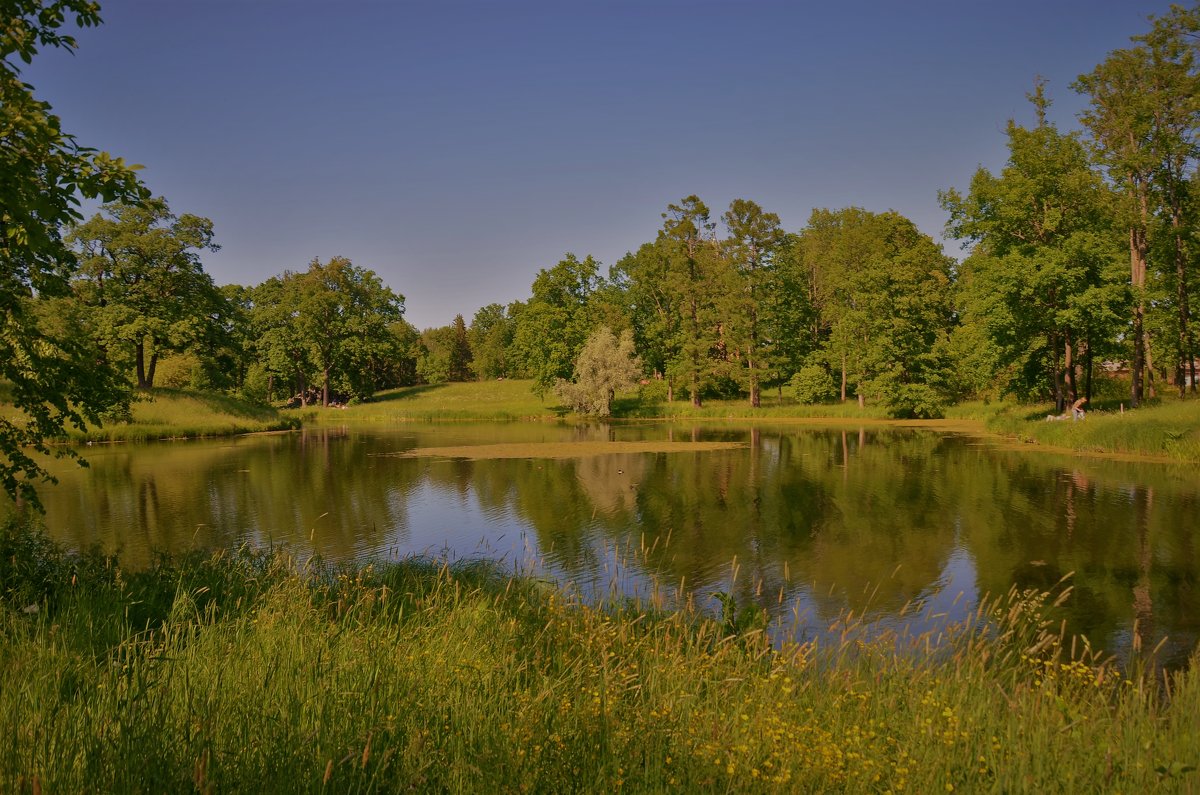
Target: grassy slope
(1170, 429)
(257, 674)
(473, 400)
(514, 400)
(178, 414)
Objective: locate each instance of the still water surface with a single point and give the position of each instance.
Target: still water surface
(808, 522)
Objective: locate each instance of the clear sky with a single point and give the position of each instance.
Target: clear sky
(457, 147)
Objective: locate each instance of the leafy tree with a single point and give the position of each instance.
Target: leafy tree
(1143, 119)
(693, 280)
(460, 352)
(552, 326)
(141, 274)
(606, 364)
(1042, 281)
(490, 335)
(755, 237)
(55, 376)
(882, 293)
(344, 314)
(653, 315)
(279, 341)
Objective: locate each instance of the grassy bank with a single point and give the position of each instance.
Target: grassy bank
(1169, 429)
(179, 414)
(251, 672)
(471, 400)
(515, 400)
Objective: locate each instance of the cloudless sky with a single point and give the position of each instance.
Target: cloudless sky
(457, 147)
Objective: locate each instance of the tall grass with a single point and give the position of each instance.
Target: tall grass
(251, 671)
(179, 414)
(1168, 429)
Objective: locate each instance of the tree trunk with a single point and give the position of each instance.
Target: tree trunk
(1058, 381)
(1069, 367)
(1088, 363)
(150, 371)
(1187, 359)
(843, 378)
(139, 349)
(325, 390)
(270, 387)
(755, 399)
(1137, 272)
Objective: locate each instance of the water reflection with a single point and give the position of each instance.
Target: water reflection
(861, 519)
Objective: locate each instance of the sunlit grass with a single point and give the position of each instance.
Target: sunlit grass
(1168, 429)
(179, 414)
(471, 400)
(256, 672)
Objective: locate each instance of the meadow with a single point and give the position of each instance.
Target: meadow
(254, 671)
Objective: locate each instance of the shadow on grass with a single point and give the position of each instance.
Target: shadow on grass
(223, 404)
(404, 393)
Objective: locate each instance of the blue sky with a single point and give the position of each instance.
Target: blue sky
(457, 147)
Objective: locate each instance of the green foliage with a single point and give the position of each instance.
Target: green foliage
(551, 328)
(490, 336)
(334, 323)
(881, 303)
(57, 379)
(143, 283)
(813, 383)
(1044, 282)
(606, 364)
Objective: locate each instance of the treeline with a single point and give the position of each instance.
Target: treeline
(1081, 253)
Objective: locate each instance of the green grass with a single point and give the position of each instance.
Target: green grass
(250, 671)
(471, 400)
(180, 414)
(772, 408)
(514, 399)
(1167, 429)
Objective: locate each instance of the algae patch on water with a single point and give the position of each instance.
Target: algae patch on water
(583, 449)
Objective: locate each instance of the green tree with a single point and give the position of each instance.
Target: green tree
(344, 314)
(279, 342)
(552, 326)
(55, 376)
(881, 291)
(460, 352)
(1123, 127)
(755, 238)
(643, 278)
(141, 274)
(490, 335)
(606, 364)
(1043, 281)
(693, 280)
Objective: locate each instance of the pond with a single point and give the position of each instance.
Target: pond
(808, 522)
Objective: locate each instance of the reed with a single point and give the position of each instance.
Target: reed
(253, 671)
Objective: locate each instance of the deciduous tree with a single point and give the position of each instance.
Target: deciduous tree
(56, 377)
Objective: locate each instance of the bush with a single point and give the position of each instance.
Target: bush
(813, 384)
(914, 402)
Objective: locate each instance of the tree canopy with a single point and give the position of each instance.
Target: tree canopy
(56, 377)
